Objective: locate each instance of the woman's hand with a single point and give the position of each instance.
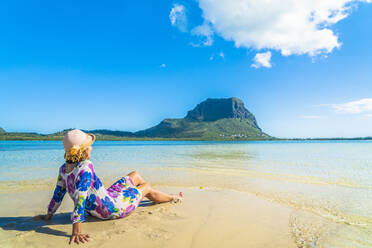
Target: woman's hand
(45, 217)
(77, 238)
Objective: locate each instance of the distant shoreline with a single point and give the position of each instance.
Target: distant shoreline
(109, 135)
(54, 138)
(133, 139)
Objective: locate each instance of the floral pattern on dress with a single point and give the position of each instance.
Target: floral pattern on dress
(89, 195)
(59, 193)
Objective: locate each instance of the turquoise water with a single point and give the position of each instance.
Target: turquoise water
(329, 179)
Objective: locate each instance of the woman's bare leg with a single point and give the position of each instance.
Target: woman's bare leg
(158, 196)
(136, 178)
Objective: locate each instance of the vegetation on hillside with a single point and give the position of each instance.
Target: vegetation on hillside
(227, 128)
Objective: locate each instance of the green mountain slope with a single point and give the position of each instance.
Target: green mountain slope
(226, 128)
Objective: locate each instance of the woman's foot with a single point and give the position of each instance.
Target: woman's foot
(177, 198)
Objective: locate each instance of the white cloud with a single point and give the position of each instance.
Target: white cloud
(177, 17)
(262, 59)
(289, 26)
(310, 116)
(205, 34)
(355, 107)
(220, 54)
(163, 65)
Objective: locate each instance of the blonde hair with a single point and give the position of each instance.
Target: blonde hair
(79, 152)
(78, 156)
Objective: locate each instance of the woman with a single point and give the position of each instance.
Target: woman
(78, 178)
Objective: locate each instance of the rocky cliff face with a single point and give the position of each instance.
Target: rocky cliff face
(215, 109)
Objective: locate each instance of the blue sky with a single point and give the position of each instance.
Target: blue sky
(125, 65)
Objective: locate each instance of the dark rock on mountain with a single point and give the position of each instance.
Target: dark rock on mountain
(215, 109)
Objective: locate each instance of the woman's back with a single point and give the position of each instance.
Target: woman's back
(88, 193)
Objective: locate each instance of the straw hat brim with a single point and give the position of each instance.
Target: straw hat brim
(92, 137)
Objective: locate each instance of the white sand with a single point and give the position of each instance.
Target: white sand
(206, 218)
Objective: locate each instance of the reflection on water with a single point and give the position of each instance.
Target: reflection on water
(329, 180)
(220, 155)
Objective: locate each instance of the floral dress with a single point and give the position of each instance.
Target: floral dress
(89, 195)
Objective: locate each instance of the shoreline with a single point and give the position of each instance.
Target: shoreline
(196, 139)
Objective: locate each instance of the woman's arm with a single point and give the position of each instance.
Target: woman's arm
(82, 184)
(59, 193)
(55, 202)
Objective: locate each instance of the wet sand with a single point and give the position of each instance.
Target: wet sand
(206, 218)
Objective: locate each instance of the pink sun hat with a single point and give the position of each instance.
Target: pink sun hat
(77, 139)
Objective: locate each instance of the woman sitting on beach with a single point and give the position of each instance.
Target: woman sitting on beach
(77, 177)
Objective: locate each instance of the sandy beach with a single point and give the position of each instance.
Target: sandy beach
(206, 218)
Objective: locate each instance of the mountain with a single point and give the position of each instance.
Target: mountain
(215, 109)
(212, 119)
(225, 118)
